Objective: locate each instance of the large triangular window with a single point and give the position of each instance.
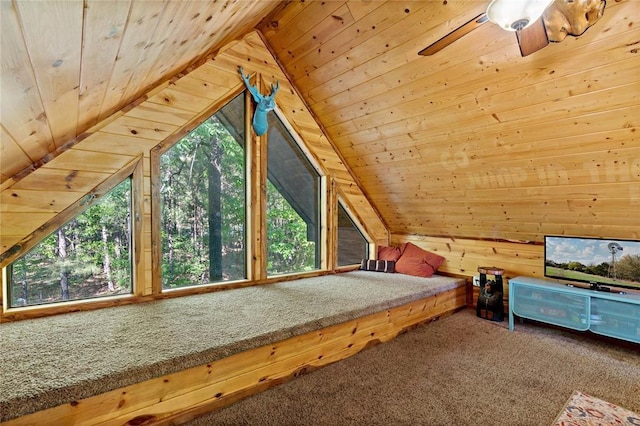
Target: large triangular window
(293, 204)
(202, 193)
(88, 257)
(352, 244)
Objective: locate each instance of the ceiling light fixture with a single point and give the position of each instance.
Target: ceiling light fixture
(515, 15)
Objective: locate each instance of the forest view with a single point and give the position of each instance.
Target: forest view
(90, 256)
(203, 220)
(203, 207)
(293, 204)
(203, 202)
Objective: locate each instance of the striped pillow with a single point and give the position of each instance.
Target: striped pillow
(378, 265)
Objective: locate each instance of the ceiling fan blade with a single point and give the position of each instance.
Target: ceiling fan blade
(532, 38)
(454, 35)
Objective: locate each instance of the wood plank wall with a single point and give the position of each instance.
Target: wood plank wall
(66, 66)
(464, 256)
(475, 141)
(36, 204)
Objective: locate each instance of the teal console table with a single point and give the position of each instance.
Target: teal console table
(607, 313)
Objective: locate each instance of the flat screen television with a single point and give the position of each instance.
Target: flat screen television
(602, 263)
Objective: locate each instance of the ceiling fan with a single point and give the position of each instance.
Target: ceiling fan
(525, 18)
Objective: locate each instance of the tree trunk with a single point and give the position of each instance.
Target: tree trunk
(62, 254)
(106, 260)
(215, 213)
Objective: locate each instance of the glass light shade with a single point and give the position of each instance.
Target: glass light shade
(513, 15)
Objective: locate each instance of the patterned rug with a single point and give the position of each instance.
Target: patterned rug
(585, 410)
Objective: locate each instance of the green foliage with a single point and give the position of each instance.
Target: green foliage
(87, 257)
(288, 249)
(207, 164)
(628, 267)
(575, 266)
(203, 226)
(627, 271)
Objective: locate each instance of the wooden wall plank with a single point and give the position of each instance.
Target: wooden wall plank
(332, 24)
(182, 100)
(108, 143)
(15, 227)
(464, 256)
(501, 169)
(383, 16)
(51, 178)
(443, 85)
(278, 23)
(388, 48)
(206, 89)
(20, 102)
(140, 26)
(57, 61)
(180, 31)
(222, 76)
(160, 113)
(103, 28)
(12, 156)
(140, 128)
(295, 28)
(38, 201)
(92, 161)
(168, 21)
(470, 93)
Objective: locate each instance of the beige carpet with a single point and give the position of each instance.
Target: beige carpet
(51, 361)
(459, 370)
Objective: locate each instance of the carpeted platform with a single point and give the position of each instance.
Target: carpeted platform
(55, 360)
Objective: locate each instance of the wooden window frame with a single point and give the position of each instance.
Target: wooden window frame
(133, 171)
(146, 258)
(323, 243)
(371, 249)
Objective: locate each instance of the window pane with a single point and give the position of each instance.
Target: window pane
(352, 245)
(293, 205)
(88, 257)
(203, 202)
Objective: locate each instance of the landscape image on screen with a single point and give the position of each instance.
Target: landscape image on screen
(592, 260)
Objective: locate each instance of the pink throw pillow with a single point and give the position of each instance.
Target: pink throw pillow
(389, 253)
(418, 262)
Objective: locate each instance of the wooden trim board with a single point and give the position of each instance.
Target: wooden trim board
(178, 397)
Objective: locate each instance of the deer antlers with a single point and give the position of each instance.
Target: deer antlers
(264, 104)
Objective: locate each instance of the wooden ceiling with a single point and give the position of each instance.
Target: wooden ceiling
(68, 65)
(474, 141)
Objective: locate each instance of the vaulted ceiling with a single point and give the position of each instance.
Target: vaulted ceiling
(474, 141)
(68, 65)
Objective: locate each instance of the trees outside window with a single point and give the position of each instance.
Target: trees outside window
(293, 204)
(202, 188)
(88, 257)
(202, 191)
(352, 245)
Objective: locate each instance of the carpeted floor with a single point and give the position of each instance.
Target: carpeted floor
(54, 360)
(459, 370)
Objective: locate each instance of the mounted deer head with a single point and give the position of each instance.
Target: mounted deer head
(264, 104)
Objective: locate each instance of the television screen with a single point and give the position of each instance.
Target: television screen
(599, 262)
